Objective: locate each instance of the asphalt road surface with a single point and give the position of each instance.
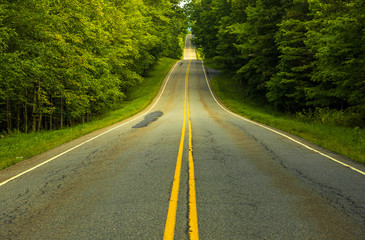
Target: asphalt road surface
(184, 168)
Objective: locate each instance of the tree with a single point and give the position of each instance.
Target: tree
(64, 61)
(287, 87)
(256, 44)
(336, 38)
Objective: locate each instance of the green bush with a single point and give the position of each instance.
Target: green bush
(347, 118)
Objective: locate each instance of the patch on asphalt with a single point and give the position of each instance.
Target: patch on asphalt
(151, 117)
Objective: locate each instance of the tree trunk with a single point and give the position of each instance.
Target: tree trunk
(34, 111)
(18, 117)
(61, 117)
(8, 113)
(26, 111)
(39, 107)
(50, 115)
(50, 121)
(39, 121)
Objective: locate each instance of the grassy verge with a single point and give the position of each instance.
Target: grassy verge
(349, 142)
(17, 147)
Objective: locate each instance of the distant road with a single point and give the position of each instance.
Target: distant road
(184, 168)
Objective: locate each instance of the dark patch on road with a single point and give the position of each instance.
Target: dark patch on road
(181, 64)
(148, 119)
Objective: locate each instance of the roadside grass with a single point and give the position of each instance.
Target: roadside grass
(349, 142)
(16, 147)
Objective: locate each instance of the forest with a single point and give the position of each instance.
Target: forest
(65, 61)
(303, 57)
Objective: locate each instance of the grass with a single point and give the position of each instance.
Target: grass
(19, 146)
(349, 142)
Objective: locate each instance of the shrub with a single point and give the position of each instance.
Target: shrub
(347, 118)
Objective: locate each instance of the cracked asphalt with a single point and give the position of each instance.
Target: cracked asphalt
(251, 183)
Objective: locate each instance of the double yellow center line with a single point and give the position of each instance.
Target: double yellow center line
(171, 215)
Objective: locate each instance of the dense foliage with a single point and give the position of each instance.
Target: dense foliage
(63, 61)
(304, 56)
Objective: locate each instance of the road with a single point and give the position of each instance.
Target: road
(184, 168)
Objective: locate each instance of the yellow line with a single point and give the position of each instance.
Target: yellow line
(193, 215)
(171, 214)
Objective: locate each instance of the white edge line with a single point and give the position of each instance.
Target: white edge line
(89, 140)
(272, 130)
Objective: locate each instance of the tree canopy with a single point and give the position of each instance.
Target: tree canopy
(298, 55)
(63, 61)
